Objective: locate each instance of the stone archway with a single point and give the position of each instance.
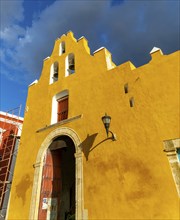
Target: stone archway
(38, 166)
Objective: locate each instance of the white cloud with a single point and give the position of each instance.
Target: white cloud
(38, 40)
(12, 34)
(129, 30)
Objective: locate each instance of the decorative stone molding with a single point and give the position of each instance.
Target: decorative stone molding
(170, 147)
(38, 166)
(65, 121)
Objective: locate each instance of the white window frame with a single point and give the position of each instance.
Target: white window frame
(55, 105)
(52, 80)
(69, 72)
(62, 48)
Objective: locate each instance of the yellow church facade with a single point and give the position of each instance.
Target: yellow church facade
(68, 168)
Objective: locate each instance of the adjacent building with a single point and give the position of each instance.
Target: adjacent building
(10, 131)
(69, 168)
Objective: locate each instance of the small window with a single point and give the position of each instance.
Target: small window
(54, 72)
(59, 106)
(70, 64)
(62, 111)
(62, 48)
(126, 88)
(131, 102)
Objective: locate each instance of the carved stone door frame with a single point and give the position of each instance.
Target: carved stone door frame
(38, 166)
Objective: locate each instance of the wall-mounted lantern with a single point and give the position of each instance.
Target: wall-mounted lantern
(106, 121)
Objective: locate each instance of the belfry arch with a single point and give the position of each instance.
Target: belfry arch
(38, 166)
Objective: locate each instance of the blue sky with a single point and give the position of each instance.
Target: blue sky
(129, 29)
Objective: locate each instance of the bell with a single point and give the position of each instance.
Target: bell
(71, 66)
(55, 75)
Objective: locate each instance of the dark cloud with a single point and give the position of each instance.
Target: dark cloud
(11, 12)
(129, 29)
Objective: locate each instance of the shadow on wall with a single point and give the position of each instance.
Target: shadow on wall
(23, 186)
(87, 144)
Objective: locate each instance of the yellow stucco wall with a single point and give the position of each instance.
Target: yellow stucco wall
(125, 179)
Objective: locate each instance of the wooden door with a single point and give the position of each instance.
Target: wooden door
(51, 186)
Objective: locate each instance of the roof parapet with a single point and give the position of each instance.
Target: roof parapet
(132, 66)
(33, 83)
(103, 54)
(156, 53)
(101, 48)
(46, 58)
(127, 66)
(71, 35)
(81, 38)
(83, 41)
(156, 49)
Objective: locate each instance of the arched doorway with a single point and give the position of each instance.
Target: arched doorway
(57, 195)
(38, 166)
